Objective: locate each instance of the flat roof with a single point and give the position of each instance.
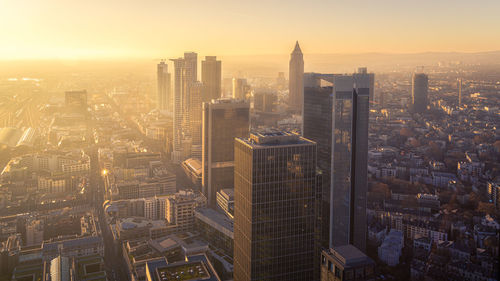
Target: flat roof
(272, 137)
(349, 256)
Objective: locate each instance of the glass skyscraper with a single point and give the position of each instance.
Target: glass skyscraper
(275, 182)
(223, 120)
(336, 118)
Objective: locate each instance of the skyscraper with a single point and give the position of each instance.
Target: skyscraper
(185, 73)
(337, 120)
(240, 88)
(211, 77)
(223, 120)
(164, 99)
(275, 180)
(419, 92)
(296, 79)
(459, 86)
(178, 98)
(366, 80)
(195, 118)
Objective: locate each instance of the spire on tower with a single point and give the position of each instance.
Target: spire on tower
(297, 48)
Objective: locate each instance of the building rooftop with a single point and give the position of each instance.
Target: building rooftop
(215, 219)
(193, 268)
(272, 137)
(349, 256)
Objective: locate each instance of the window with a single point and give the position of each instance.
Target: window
(337, 272)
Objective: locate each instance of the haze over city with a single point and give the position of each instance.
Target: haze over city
(249, 140)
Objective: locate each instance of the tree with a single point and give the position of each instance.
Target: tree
(487, 208)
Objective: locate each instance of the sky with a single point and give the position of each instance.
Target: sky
(46, 29)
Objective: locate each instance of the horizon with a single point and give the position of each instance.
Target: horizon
(125, 29)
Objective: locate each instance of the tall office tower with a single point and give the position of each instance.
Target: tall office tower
(191, 65)
(459, 85)
(211, 77)
(364, 79)
(240, 88)
(296, 79)
(337, 120)
(178, 109)
(189, 77)
(419, 92)
(185, 73)
(164, 99)
(223, 120)
(195, 118)
(275, 181)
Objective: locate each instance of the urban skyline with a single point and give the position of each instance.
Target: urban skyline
(249, 141)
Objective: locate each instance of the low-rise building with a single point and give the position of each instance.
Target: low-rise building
(391, 249)
(346, 263)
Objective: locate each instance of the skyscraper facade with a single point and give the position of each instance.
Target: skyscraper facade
(178, 113)
(459, 86)
(419, 92)
(296, 79)
(336, 118)
(185, 73)
(275, 180)
(211, 77)
(164, 98)
(364, 79)
(240, 88)
(195, 118)
(223, 120)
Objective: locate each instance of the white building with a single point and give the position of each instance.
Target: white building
(391, 249)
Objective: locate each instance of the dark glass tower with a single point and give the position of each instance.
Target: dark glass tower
(275, 180)
(419, 92)
(223, 120)
(337, 120)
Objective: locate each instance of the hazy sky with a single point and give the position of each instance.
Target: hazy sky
(163, 28)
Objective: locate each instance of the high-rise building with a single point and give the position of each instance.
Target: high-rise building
(364, 79)
(177, 124)
(275, 183)
(419, 92)
(223, 120)
(240, 88)
(211, 77)
(265, 100)
(164, 98)
(459, 86)
(195, 118)
(336, 118)
(185, 75)
(191, 66)
(296, 79)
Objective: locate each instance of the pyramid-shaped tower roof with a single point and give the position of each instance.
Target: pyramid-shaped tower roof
(297, 48)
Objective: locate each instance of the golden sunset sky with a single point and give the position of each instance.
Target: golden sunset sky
(44, 29)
